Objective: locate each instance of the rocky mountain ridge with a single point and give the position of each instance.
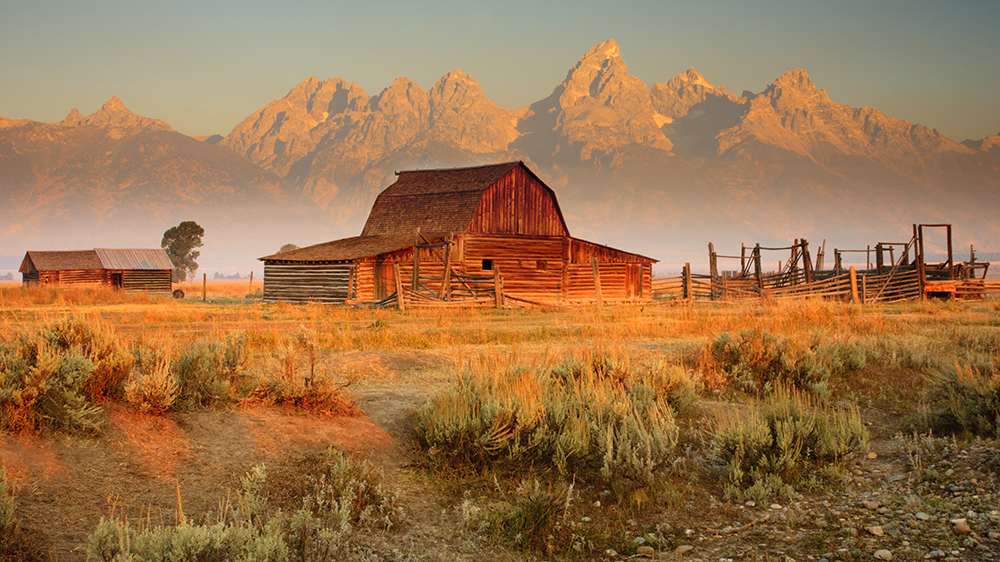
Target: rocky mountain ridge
(684, 161)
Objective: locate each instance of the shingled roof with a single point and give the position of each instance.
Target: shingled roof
(353, 248)
(435, 200)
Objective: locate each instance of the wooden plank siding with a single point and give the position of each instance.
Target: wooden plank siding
(293, 282)
(518, 204)
(152, 280)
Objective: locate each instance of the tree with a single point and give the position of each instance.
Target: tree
(288, 248)
(180, 242)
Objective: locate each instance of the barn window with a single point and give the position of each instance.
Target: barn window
(542, 265)
(488, 265)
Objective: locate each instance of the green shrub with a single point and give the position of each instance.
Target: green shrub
(42, 385)
(968, 400)
(534, 518)
(153, 388)
(589, 415)
(778, 443)
(754, 362)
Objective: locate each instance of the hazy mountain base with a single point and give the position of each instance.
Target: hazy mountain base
(660, 171)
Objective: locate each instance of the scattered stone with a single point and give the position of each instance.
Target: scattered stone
(884, 510)
(639, 540)
(935, 554)
(645, 551)
(872, 456)
(585, 519)
(949, 472)
(905, 543)
(875, 530)
(683, 548)
(883, 554)
(922, 516)
(775, 506)
(597, 503)
(872, 506)
(821, 523)
(961, 526)
(896, 478)
(610, 553)
(750, 503)
(994, 535)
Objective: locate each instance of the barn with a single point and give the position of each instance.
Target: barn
(456, 234)
(129, 269)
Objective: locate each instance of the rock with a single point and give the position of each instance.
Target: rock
(994, 535)
(872, 506)
(961, 526)
(935, 554)
(949, 472)
(645, 551)
(872, 456)
(775, 506)
(883, 554)
(875, 530)
(610, 553)
(683, 548)
(922, 516)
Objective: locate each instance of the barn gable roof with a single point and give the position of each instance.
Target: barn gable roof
(353, 248)
(443, 200)
(99, 258)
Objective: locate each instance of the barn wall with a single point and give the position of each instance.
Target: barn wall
(517, 204)
(154, 281)
(531, 267)
(82, 277)
(294, 282)
(581, 251)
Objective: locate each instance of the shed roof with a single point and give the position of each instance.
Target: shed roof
(61, 260)
(135, 258)
(100, 258)
(353, 248)
(443, 200)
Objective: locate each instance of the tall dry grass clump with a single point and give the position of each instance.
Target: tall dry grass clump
(333, 500)
(591, 416)
(784, 441)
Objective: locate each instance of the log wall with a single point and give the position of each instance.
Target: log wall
(294, 282)
(154, 281)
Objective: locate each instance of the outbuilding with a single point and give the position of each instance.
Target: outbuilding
(455, 234)
(128, 269)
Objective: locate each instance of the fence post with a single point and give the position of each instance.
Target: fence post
(854, 284)
(713, 266)
(497, 286)
(415, 278)
(204, 287)
(757, 268)
(597, 282)
(864, 289)
(399, 287)
(688, 289)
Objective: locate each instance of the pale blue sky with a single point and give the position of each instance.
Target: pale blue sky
(203, 65)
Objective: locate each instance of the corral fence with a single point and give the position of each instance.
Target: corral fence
(905, 275)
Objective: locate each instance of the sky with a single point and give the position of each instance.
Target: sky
(204, 65)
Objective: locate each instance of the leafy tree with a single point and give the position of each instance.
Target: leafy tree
(288, 248)
(180, 242)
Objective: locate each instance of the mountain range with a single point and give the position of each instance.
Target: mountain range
(660, 170)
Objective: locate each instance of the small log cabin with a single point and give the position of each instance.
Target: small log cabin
(454, 226)
(131, 270)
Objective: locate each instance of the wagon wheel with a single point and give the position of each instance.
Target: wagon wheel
(178, 294)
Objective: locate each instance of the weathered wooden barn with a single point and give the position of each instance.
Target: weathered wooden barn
(460, 230)
(130, 269)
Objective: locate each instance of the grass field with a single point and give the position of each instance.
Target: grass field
(486, 434)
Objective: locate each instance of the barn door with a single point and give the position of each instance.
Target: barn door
(385, 280)
(633, 280)
(116, 280)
